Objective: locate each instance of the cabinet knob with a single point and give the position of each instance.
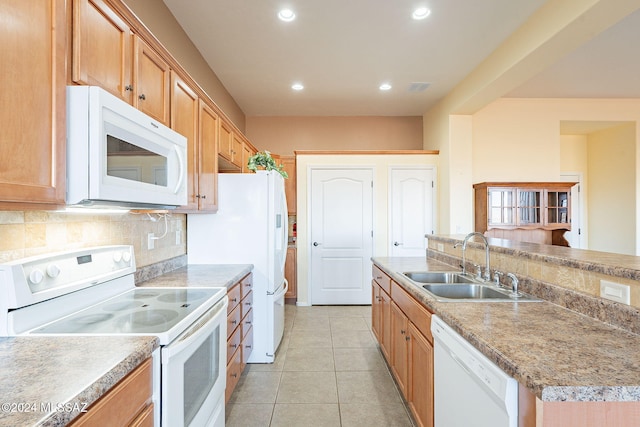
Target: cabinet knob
(407, 338)
(142, 97)
(402, 331)
(128, 88)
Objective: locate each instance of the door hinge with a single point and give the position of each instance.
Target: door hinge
(371, 184)
(431, 184)
(371, 233)
(579, 232)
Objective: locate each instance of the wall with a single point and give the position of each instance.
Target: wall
(157, 17)
(32, 233)
(380, 164)
(283, 135)
(612, 189)
(519, 140)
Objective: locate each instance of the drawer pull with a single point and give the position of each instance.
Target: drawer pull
(233, 345)
(233, 322)
(248, 322)
(234, 300)
(247, 303)
(248, 346)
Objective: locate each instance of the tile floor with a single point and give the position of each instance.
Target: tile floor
(328, 372)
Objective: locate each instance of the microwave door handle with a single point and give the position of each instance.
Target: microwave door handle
(181, 171)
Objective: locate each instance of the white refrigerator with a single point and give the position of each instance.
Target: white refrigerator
(250, 227)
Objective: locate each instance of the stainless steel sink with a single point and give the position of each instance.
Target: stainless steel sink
(473, 292)
(438, 277)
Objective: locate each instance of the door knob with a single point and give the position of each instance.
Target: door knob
(316, 244)
(396, 244)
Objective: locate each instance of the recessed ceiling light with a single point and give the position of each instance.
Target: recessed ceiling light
(421, 13)
(297, 86)
(286, 15)
(385, 86)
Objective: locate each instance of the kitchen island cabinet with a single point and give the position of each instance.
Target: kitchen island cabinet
(32, 115)
(405, 345)
(591, 379)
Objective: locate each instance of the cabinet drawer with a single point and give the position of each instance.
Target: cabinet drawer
(381, 277)
(233, 321)
(234, 370)
(233, 343)
(247, 284)
(418, 315)
(247, 303)
(247, 344)
(234, 295)
(122, 404)
(247, 321)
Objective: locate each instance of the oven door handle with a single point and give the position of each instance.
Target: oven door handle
(200, 329)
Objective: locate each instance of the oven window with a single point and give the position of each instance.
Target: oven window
(200, 374)
(132, 162)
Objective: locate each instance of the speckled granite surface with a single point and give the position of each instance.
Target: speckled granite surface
(38, 371)
(558, 354)
(202, 275)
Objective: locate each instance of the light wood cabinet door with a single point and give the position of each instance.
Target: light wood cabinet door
(226, 139)
(385, 323)
(32, 84)
(208, 124)
(236, 150)
(399, 343)
(247, 151)
(102, 48)
(184, 120)
(289, 165)
(290, 273)
(420, 377)
(151, 77)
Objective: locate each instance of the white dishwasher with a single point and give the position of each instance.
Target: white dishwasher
(469, 389)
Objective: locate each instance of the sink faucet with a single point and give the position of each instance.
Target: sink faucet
(487, 272)
(514, 282)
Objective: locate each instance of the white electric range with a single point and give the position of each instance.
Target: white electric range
(92, 292)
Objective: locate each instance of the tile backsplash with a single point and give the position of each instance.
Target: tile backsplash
(28, 233)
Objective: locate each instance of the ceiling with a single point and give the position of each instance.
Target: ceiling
(341, 51)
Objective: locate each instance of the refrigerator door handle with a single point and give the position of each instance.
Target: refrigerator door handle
(284, 290)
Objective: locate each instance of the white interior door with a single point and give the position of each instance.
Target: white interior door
(575, 237)
(341, 238)
(410, 210)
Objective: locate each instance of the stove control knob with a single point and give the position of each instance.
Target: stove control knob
(126, 257)
(36, 276)
(117, 257)
(53, 271)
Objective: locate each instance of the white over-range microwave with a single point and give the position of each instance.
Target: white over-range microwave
(119, 156)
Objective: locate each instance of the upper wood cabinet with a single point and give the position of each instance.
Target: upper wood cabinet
(151, 81)
(209, 123)
(32, 104)
(226, 140)
(248, 150)
(289, 165)
(106, 53)
(544, 205)
(102, 48)
(536, 212)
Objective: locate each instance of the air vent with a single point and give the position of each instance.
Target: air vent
(418, 86)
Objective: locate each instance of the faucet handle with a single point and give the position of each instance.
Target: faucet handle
(496, 277)
(478, 271)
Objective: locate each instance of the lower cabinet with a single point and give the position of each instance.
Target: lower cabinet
(402, 326)
(290, 273)
(239, 330)
(128, 403)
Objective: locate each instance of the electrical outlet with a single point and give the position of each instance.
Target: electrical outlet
(615, 292)
(151, 242)
(440, 247)
(178, 237)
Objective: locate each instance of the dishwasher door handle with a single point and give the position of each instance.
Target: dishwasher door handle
(461, 363)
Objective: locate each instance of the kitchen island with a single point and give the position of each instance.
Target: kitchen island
(568, 362)
(49, 381)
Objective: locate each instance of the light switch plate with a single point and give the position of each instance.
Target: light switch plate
(151, 242)
(615, 292)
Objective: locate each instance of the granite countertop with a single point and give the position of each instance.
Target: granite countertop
(558, 354)
(39, 373)
(201, 275)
